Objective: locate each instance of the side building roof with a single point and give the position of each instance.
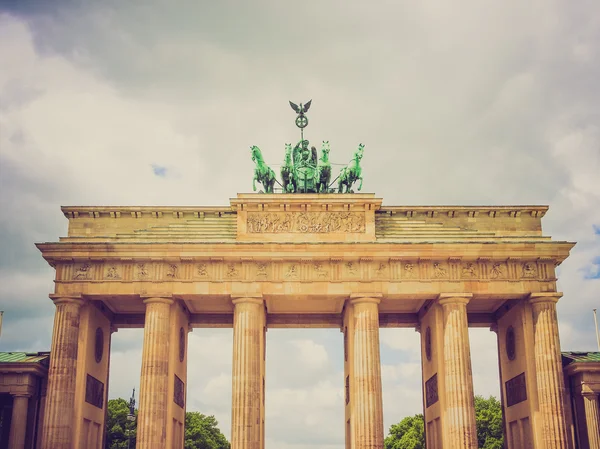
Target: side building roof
(569, 357)
(42, 358)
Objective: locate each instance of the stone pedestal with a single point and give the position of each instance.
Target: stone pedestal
(367, 413)
(57, 431)
(248, 335)
(592, 419)
(154, 381)
(18, 423)
(548, 366)
(459, 427)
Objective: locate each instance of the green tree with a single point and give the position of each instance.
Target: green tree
(409, 433)
(118, 426)
(201, 432)
(488, 415)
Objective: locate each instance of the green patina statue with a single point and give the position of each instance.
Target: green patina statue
(352, 173)
(302, 171)
(262, 172)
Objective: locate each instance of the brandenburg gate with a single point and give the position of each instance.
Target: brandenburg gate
(312, 260)
(309, 257)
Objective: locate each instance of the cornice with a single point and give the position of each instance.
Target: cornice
(586, 367)
(36, 369)
(133, 211)
(129, 211)
(513, 210)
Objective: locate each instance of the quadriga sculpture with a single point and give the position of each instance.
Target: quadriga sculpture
(262, 172)
(324, 169)
(352, 173)
(287, 171)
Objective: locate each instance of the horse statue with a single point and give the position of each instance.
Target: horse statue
(324, 169)
(352, 173)
(287, 171)
(262, 172)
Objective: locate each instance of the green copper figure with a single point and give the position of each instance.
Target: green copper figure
(302, 170)
(262, 172)
(352, 173)
(324, 169)
(287, 171)
(305, 168)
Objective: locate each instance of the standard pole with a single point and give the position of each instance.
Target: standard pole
(597, 334)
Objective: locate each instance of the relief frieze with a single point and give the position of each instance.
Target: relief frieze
(142, 272)
(306, 270)
(469, 271)
(529, 270)
(83, 272)
(351, 269)
(439, 271)
(232, 271)
(306, 222)
(112, 272)
(497, 271)
(410, 271)
(261, 270)
(172, 271)
(202, 271)
(320, 271)
(381, 270)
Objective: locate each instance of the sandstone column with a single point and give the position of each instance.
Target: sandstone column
(459, 429)
(18, 423)
(592, 419)
(57, 430)
(154, 381)
(248, 334)
(368, 406)
(548, 367)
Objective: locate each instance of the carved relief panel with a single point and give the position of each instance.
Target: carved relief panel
(305, 222)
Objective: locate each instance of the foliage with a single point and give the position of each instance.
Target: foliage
(409, 433)
(201, 432)
(117, 425)
(488, 415)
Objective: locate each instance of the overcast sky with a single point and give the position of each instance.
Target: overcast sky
(156, 103)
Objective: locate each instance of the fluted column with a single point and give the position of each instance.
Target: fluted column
(57, 430)
(548, 367)
(248, 319)
(154, 381)
(460, 431)
(368, 405)
(18, 423)
(592, 419)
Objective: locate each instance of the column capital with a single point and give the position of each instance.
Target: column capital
(356, 298)
(590, 394)
(454, 298)
(250, 298)
(67, 299)
(544, 297)
(21, 395)
(154, 299)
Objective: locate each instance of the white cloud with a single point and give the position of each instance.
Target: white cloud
(493, 104)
